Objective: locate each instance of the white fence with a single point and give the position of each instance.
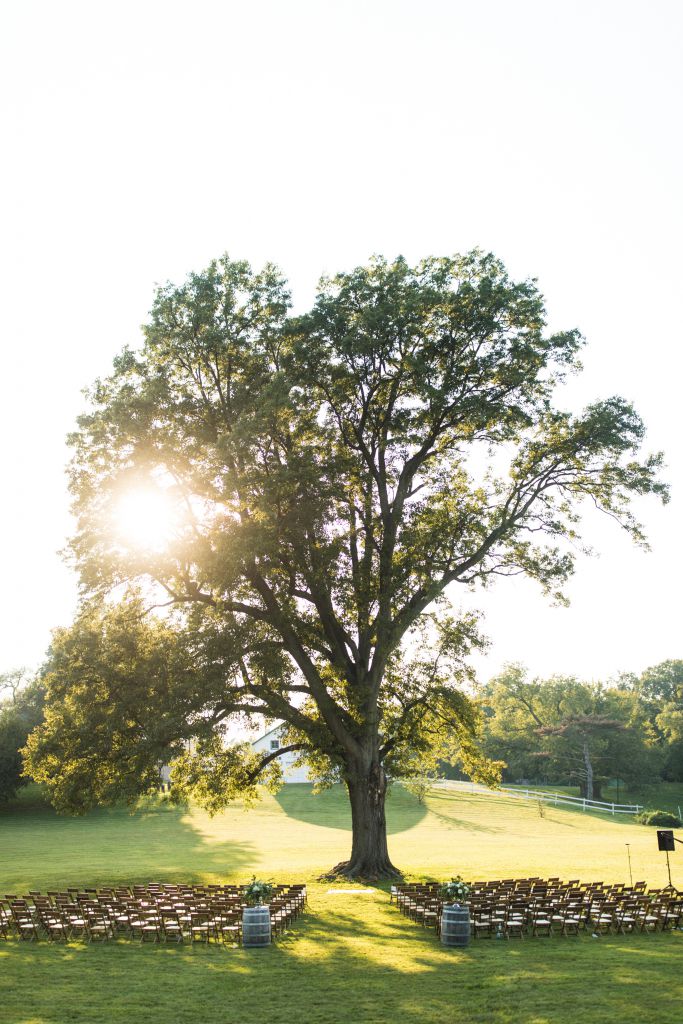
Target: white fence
(556, 799)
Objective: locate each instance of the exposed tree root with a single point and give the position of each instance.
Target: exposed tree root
(362, 872)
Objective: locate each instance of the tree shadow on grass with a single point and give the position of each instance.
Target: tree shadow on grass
(456, 822)
(113, 846)
(464, 824)
(331, 809)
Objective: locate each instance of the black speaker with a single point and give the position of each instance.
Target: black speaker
(665, 839)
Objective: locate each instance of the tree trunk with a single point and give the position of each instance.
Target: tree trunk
(369, 852)
(589, 771)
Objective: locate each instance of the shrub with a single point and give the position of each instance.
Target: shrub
(664, 819)
(419, 786)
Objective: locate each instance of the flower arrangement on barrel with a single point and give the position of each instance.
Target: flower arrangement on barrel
(455, 891)
(258, 891)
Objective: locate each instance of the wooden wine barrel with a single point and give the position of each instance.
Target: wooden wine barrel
(455, 925)
(256, 926)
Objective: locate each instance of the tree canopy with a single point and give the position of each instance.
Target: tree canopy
(21, 710)
(659, 690)
(569, 731)
(329, 479)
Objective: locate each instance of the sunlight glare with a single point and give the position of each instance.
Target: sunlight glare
(145, 518)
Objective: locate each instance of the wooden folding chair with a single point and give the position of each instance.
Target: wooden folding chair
(54, 924)
(574, 920)
(171, 927)
(146, 925)
(541, 922)
(603, 917)
(480, 923)
(201, 927)
(228, 926)
(515, 921)
(26, 926)
(98, 927)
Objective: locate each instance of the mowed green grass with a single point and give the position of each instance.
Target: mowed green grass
(352, 957)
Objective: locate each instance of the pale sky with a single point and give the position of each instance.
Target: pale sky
(143, 139)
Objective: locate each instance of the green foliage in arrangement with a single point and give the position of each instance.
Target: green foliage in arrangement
(258, 891)
(455, 890)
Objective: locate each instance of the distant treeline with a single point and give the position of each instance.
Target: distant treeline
(566, 731)
(21, 710)
(558, 730)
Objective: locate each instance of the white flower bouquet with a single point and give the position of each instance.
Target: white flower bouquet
(456, 890)
(258, 891)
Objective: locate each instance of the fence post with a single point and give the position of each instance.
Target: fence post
(612, 809)
(584, 803)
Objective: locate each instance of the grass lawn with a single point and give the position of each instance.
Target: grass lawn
(352, 958)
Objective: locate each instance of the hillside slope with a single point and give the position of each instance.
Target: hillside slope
(296, 834)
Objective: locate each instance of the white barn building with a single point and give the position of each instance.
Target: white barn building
(272, 740)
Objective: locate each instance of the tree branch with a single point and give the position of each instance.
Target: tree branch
(253, 775)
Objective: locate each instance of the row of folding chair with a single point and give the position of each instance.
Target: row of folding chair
(546, 907)
(156, 913)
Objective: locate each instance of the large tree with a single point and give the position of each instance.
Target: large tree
(334, 475)
(659, 690)
(567, 730)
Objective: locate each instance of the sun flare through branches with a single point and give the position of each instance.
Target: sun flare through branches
(146, 518)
